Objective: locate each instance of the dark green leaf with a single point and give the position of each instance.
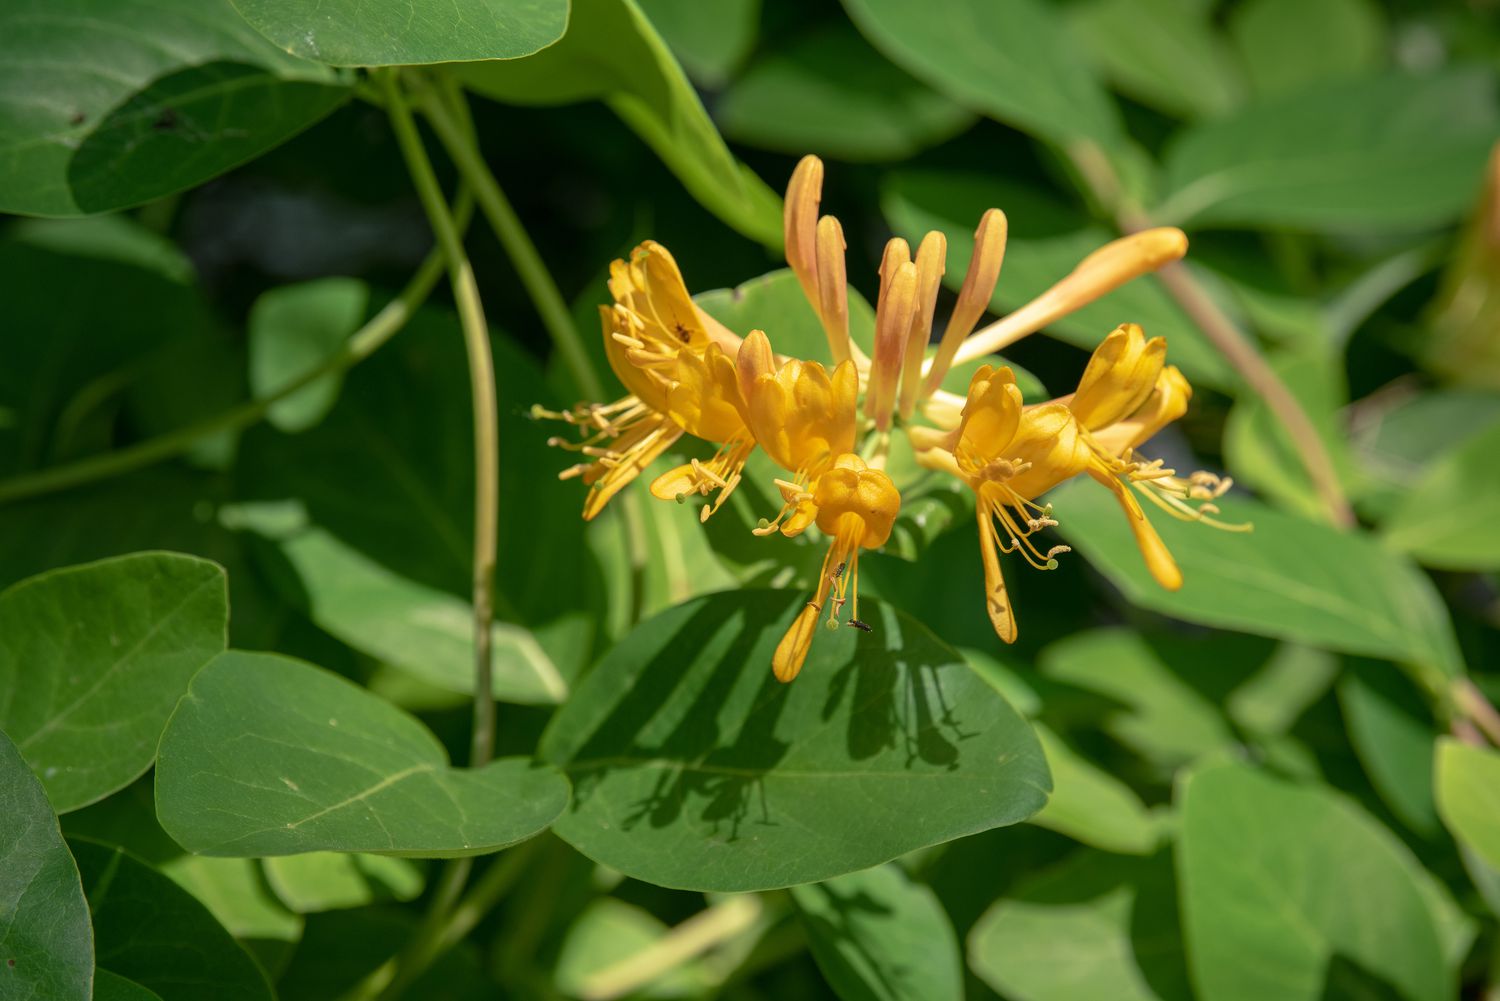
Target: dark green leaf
(878, 936)
(269, 756)
(1393, 736)
(1447, 519)
(190, 91)
(151, 931)
(1289, 578)
(1090, 805)
(1009, 59)
(694, 767)
(397, 33)
(1294, 892)
(113, 987)
(1468, 797)
(830, 93)
(613, 53)
(1388, 152)
(46, 946)
(236, 894)
(1288, 46)
(711, 41)
(93, 658)
(293, 329)
(341, 948)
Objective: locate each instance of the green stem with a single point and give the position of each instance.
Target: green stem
(444, 117)
(377, 331)
(486, 408)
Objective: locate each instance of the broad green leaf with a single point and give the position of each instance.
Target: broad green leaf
(1292, 579)
(694, 767)
(1155, 711)
(879, 936)
(117, 238)
(1387, 152)
(190, 91)
(92, 660)
(610, 931)
(1046, 241)
(400, 33)
(1399, 437)
(421, 630)
(236, 894)
(269, 756)
(682, 563)
(1164, 53)
(1447, 518)
(829, 93)
(1288, 46)
(1270, 701)
(774, 302)
(1009, 59)
(293, 330)
(1468, 796)
(326, 881)
(1294, 892)
(1090, 805)
(711, 41)
(612, 52)
(149, 930)
(1394, 738)
(45, 937)
(1095, 926)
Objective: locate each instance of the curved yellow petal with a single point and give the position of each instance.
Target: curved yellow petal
(1158, 558)
(1121, 374)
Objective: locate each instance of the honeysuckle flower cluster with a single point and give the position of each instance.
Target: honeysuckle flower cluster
(830, 431)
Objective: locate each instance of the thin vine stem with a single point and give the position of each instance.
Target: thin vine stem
(448, 119)
(364, 342)
(486, 406)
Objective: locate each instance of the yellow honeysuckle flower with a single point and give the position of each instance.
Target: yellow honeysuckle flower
(706, 402)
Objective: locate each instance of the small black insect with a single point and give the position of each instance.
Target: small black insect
(838, 571)
(683, 334)
(77, 118)
(166, 121)
(863, 627)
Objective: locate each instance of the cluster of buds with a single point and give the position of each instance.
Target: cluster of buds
(830, 431)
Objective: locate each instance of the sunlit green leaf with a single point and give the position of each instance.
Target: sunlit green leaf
(879, 936)
(1468, 796)
(1165, 53)
(711, 41)
(398, 33)
(326, 881)
(45, 936)
(1288, 46)
(92, 660)
(694, 767)
(269, 756)
(1392, 151)
(1009, 59)
(236, 894)
(1090, 805)
(1270, 911)
(293, 329)
(190, 91)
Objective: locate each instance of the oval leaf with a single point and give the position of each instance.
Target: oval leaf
(191, 91)
(1468, 796)
(151, 931)
(270, 756)
(46, 945)
(92, 660)
(1447, 518)
(695, 768)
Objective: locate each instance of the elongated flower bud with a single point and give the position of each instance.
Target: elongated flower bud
(800, 220)
(833, 288)
(974, 297)
(931, 258)
(1100, 273)
(893, 318)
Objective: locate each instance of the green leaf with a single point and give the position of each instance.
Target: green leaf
(775, 303)
(45, 938)
(1447, 518)
(1396, 151)
(396, 33)
(1287, 891)
(292, 331)
(191, 91)
(1090, 805)
(326, 881)
(341, 948)
(611, 52)
(1095, 926)
(1164, 53)
(149, 930)
(695, 768)
(1009, 59)
(269, 756)
(113, 987)
(1269, 702)
(1468, 796)
(829, 93)
(610, 931)
(1394, 737)
(1288, 46)
(93, 658)
(879, 936)
(1046, 241)
(1289, 578)
(421, 630)
(711, 41)
(236, 894)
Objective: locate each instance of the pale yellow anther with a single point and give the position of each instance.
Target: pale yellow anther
(931, 260)
(800, 220)
(1098, 274)
(973, 297)
(893, 319)
(833, 287)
